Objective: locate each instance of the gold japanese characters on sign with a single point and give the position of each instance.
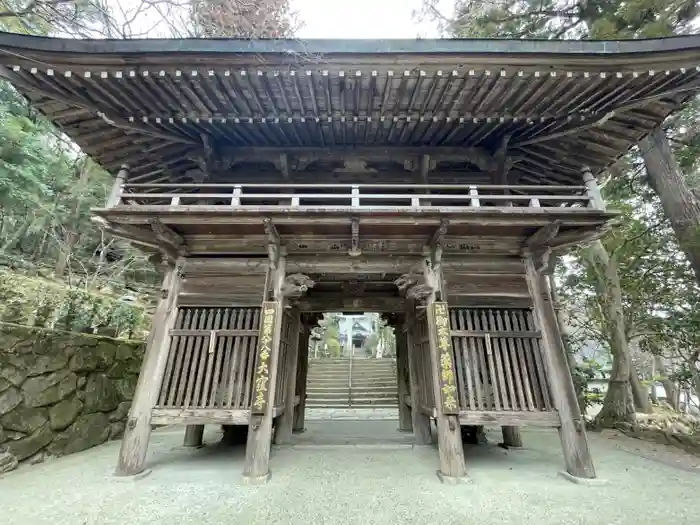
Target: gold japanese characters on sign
(448, 387)
(262, 370)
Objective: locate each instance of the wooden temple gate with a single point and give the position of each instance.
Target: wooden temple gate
(270, 186)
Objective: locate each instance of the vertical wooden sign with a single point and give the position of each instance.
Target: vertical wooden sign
(261, 381)
(446, 371)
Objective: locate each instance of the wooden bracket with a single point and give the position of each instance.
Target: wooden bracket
(434, 246)
(414, 286)
(355, 250)
(543, 236)
(167, 239)
(538, 245)
(274, 242)
(296, 284)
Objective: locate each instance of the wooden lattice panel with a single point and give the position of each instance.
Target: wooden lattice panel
(498, 360)
(211, 359)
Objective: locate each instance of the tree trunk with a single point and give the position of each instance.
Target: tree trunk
(72, 235)
(678, 201)
(579, 384)
(618, 405)
(669, 386)
(654, 398)
(640, 393)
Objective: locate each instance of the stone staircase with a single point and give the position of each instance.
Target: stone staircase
(373, 383)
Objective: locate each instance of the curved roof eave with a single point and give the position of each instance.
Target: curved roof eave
(601, 52)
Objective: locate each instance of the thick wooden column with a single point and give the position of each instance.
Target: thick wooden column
(132, 455)
(420, 422)
(257, 459)
(283, 434)
(511, 436)
(450, 447)
(194, 435)
(572, 432)
(302, 372)
(405, 412)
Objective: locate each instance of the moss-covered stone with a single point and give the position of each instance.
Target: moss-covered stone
(14, 375)
(64, 413)
(89, 430)
(43, 364)
(30, 445)
(116, 430)
(9, 399)
(101, 394)
(90, 359)
(126, 386)
(121, 412)
(8, 462)
(49, 389)
(25, 419)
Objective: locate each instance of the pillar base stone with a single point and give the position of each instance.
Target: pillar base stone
(256, 480)
(131, 477)
(453, 480)
(592, 482)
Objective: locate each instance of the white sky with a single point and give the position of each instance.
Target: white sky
(361, 19)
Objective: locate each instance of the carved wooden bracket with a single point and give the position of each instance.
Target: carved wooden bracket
(296, 284)
(414, 286)
(538, 245)
(171, 242)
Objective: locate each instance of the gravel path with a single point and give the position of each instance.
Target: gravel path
(349, 485)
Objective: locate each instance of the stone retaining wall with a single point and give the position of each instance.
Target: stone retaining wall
(62, 392)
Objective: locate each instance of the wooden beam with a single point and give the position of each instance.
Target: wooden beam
(257, 460)
(132, 454)
(285, 424)
(274, 242)
(167, 237)
(450, 447)
(419, 421)
(572, 431)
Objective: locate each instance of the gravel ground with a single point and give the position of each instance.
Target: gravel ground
(349, 485)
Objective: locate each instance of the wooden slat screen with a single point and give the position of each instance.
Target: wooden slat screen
(211, 359)
(498, 360)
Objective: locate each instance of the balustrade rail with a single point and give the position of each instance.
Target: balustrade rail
(353, 197)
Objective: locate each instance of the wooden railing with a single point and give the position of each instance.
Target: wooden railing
(367, 197)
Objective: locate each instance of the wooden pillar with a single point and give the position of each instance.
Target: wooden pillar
(511, 436)
(450, 447)
(257, 460)
(194, 435)
(405, 412)
(572, 432)
(302, 372)
(132, 455)
(420, 422)
(118, 187)
(283, 434)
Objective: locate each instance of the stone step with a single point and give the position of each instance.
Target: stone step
(374, 403)
(355, 395)
(356, 386)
